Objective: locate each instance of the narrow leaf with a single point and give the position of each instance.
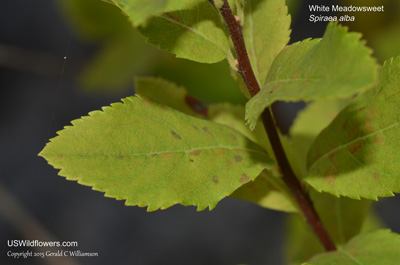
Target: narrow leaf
(357, 154)
(266, 32)
(151, 155)
(335, 67)
(379, 247)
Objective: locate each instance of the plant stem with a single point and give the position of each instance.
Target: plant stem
(289, 177)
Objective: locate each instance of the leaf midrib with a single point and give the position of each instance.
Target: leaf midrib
(351, 257)
(231, 148)
(227, 52)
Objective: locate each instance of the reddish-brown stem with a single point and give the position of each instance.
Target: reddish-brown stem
(289, 177)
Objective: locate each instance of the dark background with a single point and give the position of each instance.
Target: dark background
(38, 98)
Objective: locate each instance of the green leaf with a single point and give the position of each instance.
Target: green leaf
(151, 155)
(122, 50)
(191, 29)
(308, 124)
(139, 11)
(209, 83)
(342, 217)
(335, 67)
(95, 20)
(267, 190)
(112, 68)
(167, 93)
(301, 244)
(266, 31)
(380, 247)
(357, 154)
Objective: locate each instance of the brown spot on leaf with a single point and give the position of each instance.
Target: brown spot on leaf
(330, 175)
(205, 129)
(296, 74)
(378, 139)
(173, 17)
(195, 153)
(60, 156)
(367, 128)
(371, 114)
(376, 175)
(229, 163)
(163, 108)
(244, 179)
(215, 180)
(146, 102)
(355, 147)
(275, 87)
(195, 127)
(354, 131)
(167, 155)
(120, 157)
(220, 152)
(333, 155)
(191, 160)
(361, 109)
(238, 158)
(177, 136)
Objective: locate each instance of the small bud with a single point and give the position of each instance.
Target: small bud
(237, 18)
(237, 64)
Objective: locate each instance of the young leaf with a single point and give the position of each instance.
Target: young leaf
(141, 10)
(191, 29)
(151, 155)
(266, 32)
(357, 154)
(378, 247)
(335, 67)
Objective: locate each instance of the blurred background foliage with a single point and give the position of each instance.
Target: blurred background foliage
(381, 30)
(123, 53)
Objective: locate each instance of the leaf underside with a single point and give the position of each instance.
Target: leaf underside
(191, 29)
(357, 154)
(379, 247)
(334, 67)
(266, 31)
(267, 190)
(151, 155)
